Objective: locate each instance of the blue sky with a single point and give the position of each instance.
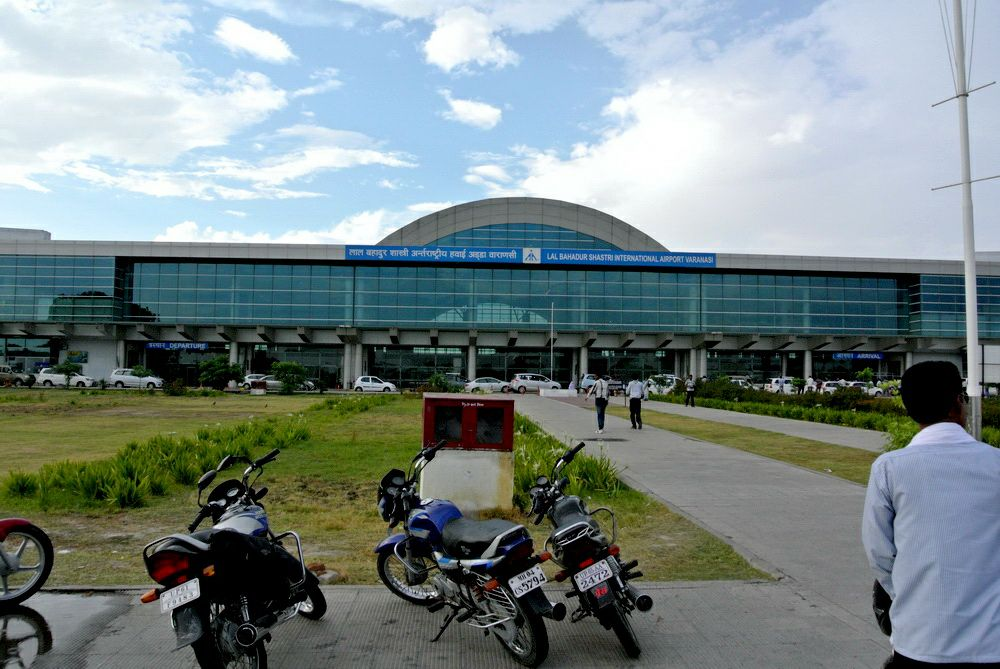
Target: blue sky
(728, 126)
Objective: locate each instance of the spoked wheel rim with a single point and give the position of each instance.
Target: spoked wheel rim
(395, 572)
(523, 634)
(22, 566)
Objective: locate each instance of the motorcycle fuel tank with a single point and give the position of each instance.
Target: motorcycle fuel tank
(250, 520)
(428, 521)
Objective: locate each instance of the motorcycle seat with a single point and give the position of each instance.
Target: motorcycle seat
(465, 538)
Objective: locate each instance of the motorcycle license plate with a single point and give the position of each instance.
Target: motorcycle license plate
(592, 575)
(527, 581)
(179, 596)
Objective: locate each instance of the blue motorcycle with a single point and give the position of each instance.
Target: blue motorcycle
(485, 571)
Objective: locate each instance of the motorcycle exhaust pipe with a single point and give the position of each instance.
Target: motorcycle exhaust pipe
(248, 634)
(644, 602)
(558, 611)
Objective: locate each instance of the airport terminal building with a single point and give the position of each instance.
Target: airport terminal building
(488, 288)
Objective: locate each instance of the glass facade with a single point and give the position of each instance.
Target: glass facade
(79, 289)
(87, 289)
(523, 234)
(937, 306)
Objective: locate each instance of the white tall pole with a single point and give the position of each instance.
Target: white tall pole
(552, 313)
(972, 350)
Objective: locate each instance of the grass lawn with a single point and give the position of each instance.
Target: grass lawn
(851, 464)
(324, 487)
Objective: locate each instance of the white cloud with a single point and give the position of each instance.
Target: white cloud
(470, 112)
(326, 80)
(794, 131)
(464, 35)
(234, 212)
(241, 37)
(56, 101)
(389, 184)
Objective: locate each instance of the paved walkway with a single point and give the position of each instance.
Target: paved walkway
(869, 440)
(798, 524)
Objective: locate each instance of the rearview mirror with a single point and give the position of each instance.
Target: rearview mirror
(542, 481)
(225, 462)
(206, 479)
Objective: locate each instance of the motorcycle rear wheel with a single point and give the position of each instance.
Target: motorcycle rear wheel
(622, 626)
(529, 643)
(29, 550)
(314, 607)
(393, 574)
(217, 648)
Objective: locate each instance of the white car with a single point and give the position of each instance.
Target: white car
(49, 377)
(373, 384)
(522, 383)
(486, 384)
(833, 386)
(780, 384)
(661, 383)
(250, 378)
(124, 378)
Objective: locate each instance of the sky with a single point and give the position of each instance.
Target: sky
(797, 127)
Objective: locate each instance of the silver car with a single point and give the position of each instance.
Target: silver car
(487, 384)
(522, 383)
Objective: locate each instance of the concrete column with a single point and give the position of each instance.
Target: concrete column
(692, 362)
(348, 371)
(234, 353)
(359, 360)
(120, 353)
(784, 364)
(908, 360)
(807, 364)
(472, 362)
(584, 354)
(678, 372)
(702, 362)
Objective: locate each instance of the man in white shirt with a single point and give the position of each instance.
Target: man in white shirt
(600, 392)
(931, 530)
(635, 392)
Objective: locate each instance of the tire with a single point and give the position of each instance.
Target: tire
(119, 384)
(24, 626)
(392, 573)
(555, 387)
(81, 384)
(386, 390)
(207, 649)
(314, 607)
(622, 627)
(18, 382)
(359, 389)
(151, 386)
(47, 384)
(33, 546)
(530, 643)
(522, 389)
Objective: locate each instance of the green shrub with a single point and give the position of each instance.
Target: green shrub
(291, 375)
(438, 383)
(21, 484)
(127, 493)
(175, 388)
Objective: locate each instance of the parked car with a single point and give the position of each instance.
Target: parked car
(49, 377)
(373, 384)
(250, 378)
(124, 378)
(587, 381)
(780, 384)
(522, 383)
(455, 378)
(661, 383)
(833, 386)
(487, 384)
(10, 377)
(742, 383)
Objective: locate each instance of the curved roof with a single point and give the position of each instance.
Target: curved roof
(427, 230)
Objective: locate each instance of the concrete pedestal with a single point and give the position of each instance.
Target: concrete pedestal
(473, 480)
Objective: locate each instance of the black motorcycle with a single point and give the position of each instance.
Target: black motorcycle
(226, 588)
(589, 558)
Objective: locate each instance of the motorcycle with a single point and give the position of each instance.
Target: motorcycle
(588, 557)
(485, 570)
(226, 588)
(25, 560)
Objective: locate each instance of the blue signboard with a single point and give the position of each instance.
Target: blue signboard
(529, 256)
(859, 356)
(176, 345)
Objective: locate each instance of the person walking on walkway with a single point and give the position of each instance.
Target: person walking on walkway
(600, 392)
(635, 393)
(689, 388)
(931, 530)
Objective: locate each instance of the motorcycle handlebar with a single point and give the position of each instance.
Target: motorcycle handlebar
(267, 458)
(203, 513)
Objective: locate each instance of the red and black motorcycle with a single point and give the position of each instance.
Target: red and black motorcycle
(589, 557)
(25, 560)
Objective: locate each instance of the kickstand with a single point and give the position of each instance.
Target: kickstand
(447, 621)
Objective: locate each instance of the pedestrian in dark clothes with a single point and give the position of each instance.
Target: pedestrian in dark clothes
(689, 388)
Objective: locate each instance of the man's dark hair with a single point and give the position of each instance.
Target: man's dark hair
(929, 390)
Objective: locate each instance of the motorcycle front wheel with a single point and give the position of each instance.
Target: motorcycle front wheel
(25, 565)
(620, 623)
(314, 607)
(217, 647)
(392, 572)
(523, 635)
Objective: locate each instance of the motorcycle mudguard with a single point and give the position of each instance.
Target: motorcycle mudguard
(388, 544)
(601, 595)
(8, 524)
(188, 624)
(540, 604)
